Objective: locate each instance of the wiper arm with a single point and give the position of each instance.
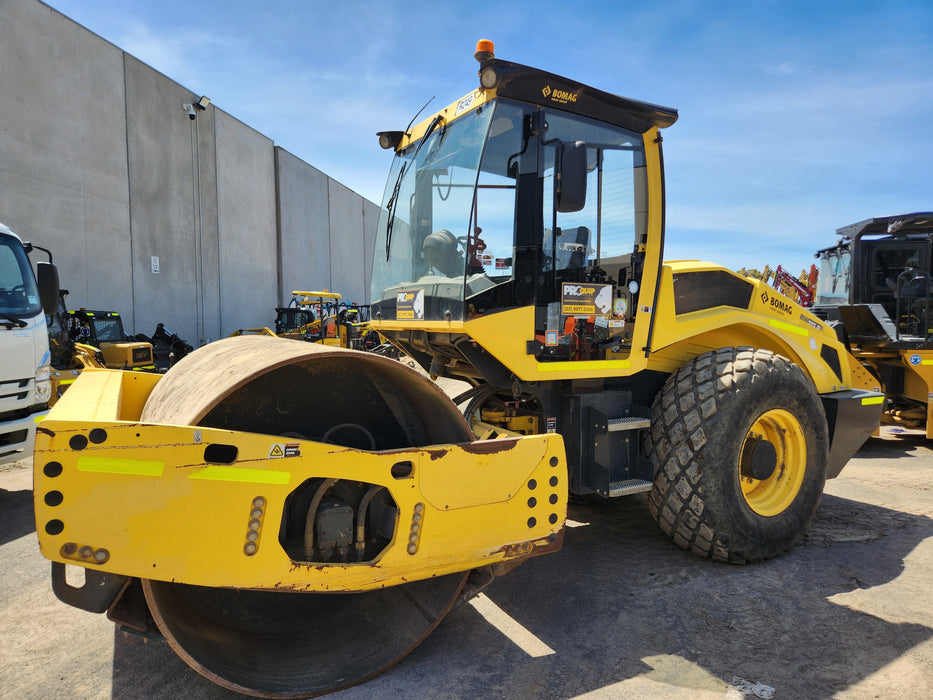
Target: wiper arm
(11, 320)
(392, 204)
(393, 200)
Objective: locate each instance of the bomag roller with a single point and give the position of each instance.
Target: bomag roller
(294, 518)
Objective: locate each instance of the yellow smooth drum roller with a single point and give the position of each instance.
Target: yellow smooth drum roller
(285, 644)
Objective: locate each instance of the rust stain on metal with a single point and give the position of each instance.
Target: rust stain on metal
(532, 548)
(489, 447)
(437, 454)
(44, 431)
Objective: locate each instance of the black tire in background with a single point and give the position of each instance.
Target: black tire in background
(740, 444)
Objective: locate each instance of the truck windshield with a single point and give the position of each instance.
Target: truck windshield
(427, 256)
(19, 296)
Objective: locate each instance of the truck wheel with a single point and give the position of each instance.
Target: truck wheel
(739, 443)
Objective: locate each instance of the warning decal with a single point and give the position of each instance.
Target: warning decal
(288, 449)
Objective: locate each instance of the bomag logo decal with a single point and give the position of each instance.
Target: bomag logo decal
(559, 96)
(777, 303)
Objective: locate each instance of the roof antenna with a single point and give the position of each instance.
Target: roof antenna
(417, 113)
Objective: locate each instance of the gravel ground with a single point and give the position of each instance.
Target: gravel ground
(619, 612)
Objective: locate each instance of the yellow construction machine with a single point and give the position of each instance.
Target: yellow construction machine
(321, 317)
(331, 321)
(296, 517)
(82, 339)
(875, 289)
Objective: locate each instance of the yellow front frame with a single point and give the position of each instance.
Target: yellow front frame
(140, 500)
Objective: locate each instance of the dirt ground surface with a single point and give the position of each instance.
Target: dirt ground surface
(619, 612)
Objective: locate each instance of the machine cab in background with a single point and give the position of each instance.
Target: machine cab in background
(885, 262)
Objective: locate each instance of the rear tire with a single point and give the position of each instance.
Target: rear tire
(739, 443)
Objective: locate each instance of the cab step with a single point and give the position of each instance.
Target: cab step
(628, 423)
(628, 487)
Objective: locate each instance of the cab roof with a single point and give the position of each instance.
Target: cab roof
(899, 224)
(526, 84)
(549, 90)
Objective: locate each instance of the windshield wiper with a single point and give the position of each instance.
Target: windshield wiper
(391, 207)
(392, 204)
(11, 320)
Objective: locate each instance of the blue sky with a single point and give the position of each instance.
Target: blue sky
(796, 118)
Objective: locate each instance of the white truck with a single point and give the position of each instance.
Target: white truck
(25, 362)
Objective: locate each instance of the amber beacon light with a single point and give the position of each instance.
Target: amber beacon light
(485, 50)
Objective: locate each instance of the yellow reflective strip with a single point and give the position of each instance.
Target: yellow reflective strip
(789, 327)
(589, 364)
(248, 476)
(872, 400)
(39, 417)
(66, 381)
(108, 465)
(926, 362)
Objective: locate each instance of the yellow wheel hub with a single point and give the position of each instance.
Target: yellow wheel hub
(772, 462)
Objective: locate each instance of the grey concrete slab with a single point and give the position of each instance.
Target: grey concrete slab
(100, 162)
(304, 235)
(208, 231)
(161, 146)
(370, 220)
(247, 224)
(63, 148)
(348, 256)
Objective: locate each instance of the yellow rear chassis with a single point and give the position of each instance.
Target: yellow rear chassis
(159, 502)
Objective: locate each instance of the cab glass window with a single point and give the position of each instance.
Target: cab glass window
(614, 218)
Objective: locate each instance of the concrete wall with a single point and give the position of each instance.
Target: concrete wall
(63, 165)
(100, 162)
(161, 148)
(304, 225)
(247, 221)
(326, 232)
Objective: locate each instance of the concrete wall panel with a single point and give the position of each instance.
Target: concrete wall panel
(208, 289)
(304, 236)
(63, 150)
(247, 224)
(370, 220)
(347, 251)
(162, 161)
(100, 162)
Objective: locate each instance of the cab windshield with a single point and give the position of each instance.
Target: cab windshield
(456, 238)
(833, 280)
(445, 229)
(19, 296)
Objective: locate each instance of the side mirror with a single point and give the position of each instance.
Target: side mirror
(570, 191)
(47, 277)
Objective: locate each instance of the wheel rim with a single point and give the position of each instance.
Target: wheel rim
(774, 443)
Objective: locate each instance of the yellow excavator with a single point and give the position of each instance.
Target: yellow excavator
(294, 517)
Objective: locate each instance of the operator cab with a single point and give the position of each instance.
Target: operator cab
(885, 262)
(532, 192)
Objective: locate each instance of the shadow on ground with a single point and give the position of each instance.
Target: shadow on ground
(16, 514)
(619, 601)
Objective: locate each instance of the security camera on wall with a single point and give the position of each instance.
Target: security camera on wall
(189, 108)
